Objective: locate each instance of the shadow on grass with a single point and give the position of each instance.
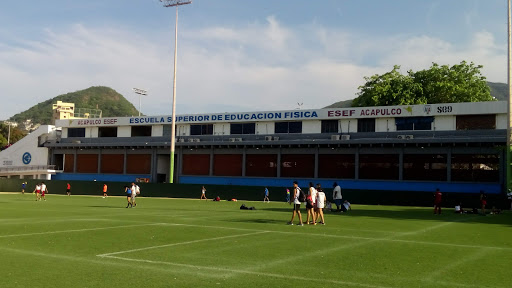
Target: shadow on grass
(413, 213)
(262, 221)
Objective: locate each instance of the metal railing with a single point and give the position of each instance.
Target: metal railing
(27, 168)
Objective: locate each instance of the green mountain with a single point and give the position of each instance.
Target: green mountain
(107, 99)
(498, 91)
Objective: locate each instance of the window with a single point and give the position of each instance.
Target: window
(141, 131)
(243, 128)
(430, 167)
(475, 122)
(414, 123)
(76, 132)
(107, 132)
(366, 125)
(201, 129)
(475, 167)
(329, 126)
(378, 166)
(288, 127)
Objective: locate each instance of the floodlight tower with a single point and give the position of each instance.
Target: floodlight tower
(174, 3)
(140, 92)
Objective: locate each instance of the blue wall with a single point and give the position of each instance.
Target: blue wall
(98, 177)
(457, 187)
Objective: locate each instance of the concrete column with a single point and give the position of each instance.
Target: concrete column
(244, 160)
(449, 165)
(211, 161)
(316, 163)
(356, 164)
(401, 164)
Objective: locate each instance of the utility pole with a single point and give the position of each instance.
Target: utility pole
(174, 3)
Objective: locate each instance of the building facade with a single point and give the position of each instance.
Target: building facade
(457, 147)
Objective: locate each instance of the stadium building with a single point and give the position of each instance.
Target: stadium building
(457, 147)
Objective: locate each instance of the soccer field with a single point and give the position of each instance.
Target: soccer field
(83, 241)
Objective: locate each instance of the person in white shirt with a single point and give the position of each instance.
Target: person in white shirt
(203, 193)
(44, 190)
(336, 195)
(134, 193)
(310, 204)
(296, 204)
(320, 203)
(37, 190)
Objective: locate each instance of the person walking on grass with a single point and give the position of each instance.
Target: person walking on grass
(266, 196)
(483, 201)
(310, 204)
(128, 191)
(105, 188)
(23, 185)
(289, 202)
(438, 197)
(68, 189)
(203, 193)
(296, 204)
(320, 204)
(44, 190)
(336, 195)
(135, 193)
(37, 190)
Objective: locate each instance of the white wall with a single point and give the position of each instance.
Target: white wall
(64, 133)
(385, 125)
(157, 130)
(313, 126)
(124, 131)
(91, 132)
(221, 129)
(444, 123)
(265, 128)
(501, 121)
(348, 126)
(13, 156)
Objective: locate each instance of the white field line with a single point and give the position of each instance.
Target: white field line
(238, 271)
(76, 230)
(180, 243)
(480, 253)
(388, 239)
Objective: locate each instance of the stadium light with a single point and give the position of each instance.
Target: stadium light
(140, 92)
(174, 3)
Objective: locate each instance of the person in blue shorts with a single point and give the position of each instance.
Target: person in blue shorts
(128, 191)
(266, 195)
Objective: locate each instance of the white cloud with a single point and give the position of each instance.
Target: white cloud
(261, 66)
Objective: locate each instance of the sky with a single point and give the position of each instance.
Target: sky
(234, 55)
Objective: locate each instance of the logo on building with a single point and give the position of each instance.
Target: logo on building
(26, 158)
(427, 109)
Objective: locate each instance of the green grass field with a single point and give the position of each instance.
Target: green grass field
(82, 241)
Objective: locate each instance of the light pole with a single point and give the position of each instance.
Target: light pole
(508, 169)
(174, 3)
(140, 92)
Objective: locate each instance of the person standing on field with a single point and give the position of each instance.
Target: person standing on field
(320, 204)
(134, 194)
(105, 190)
(296, 204)
(438, 198)
(203, 193)
(44, 190)
(37, 190)
(336, 195)
(23, 185)
(68, 189)
(128, 191)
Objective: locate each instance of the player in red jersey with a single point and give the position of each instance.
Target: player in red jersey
(438, 196)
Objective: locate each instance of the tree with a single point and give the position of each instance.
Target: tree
(439, 84)
(16, 135)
